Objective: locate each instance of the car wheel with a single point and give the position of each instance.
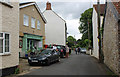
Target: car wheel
(58, 59)
(30, 64)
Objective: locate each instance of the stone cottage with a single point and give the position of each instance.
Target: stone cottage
(111, 37)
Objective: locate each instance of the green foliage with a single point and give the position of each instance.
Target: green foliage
(29, 51)
(71, 41)
(17, 70)
(86, 18)
(86, 41)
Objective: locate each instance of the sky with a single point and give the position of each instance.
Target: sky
(69, 10)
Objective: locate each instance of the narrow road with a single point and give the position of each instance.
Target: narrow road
(74, 65)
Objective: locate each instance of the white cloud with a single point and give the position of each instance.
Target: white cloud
(72, 28)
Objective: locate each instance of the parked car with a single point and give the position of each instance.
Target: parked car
(62, 50)
(46, 56)
(83, 50)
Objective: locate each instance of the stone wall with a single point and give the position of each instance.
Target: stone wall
(110, 42)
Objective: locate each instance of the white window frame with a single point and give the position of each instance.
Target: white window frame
(25, 22)
(5, 53)
(38, 24)
(33, 22)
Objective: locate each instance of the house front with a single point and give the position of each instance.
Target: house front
(55, 29)
(32, 28)
(95, 28)
(9, 36)
(111, 38)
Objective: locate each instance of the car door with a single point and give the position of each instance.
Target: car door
(56, 54)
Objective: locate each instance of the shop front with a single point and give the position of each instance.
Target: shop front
(32, 43)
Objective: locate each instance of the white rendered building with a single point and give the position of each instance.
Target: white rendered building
(55, 29)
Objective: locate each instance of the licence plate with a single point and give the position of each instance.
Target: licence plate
(34, 61)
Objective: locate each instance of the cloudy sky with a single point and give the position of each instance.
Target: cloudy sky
(70, 10)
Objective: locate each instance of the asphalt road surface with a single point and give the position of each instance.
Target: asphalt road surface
(74, 65)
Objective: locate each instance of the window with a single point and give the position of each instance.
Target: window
(4, 43)
(33, 22)
(38, 24)
(1, 43)
(26, 20)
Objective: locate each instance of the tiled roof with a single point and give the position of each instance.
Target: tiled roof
(102, 8)
(117, 5)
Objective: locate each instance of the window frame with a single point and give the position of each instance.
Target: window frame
(5, 53)
(39, 24)
(32, 22)
(25, 15)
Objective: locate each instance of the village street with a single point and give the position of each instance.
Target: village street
(39, 38)
(81, 64)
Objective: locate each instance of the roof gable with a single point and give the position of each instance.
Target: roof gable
(23, 5)
(56, 15)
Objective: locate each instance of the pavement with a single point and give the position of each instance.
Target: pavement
(81, 64)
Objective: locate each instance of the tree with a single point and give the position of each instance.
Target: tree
(71, 41)
(83, 28)
(80, 43)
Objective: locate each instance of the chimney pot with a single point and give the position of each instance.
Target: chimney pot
(48, 6)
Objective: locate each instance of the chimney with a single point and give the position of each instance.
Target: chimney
(48, 6)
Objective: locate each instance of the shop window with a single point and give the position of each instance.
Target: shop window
(20, 43)
(4, 43)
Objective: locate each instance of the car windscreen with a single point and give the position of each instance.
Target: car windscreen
(45, 52)
(83, 48)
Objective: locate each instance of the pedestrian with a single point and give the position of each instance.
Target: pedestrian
(76, 50)
(67, 51)
(79, 50)
(54, 47)
(64, 51)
